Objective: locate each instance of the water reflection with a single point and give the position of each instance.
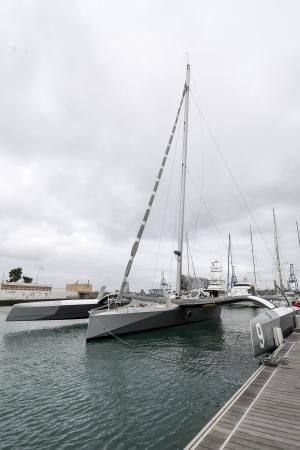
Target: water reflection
(154, 390)
(36, 333)
(173, 346)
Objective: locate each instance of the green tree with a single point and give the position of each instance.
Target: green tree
(27, 279)
(15, 274)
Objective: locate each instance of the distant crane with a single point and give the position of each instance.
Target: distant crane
(292, 281)
(281, 285)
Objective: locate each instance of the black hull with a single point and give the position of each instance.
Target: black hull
(23, 312)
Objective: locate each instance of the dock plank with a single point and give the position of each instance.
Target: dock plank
(282, 421)
(274, 437)
(262, 442)
(264, 413)
(269, 427)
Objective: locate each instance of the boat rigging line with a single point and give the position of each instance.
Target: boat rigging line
(171, 178)
(253, 259)
(189, 256)
(207, 209)
(152, 197)
(231, 174)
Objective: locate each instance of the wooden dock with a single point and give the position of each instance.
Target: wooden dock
(265, 412)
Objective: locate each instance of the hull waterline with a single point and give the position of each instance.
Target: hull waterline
(132, 320)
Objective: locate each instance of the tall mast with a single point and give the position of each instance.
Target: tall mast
(228, 262)
(298, 233)
(277, 252)
(253, 260)
(183, 181)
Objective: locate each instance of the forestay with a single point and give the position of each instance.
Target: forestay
(152, 197)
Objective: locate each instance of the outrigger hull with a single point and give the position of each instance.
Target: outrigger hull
(136, 319)
(51, 310)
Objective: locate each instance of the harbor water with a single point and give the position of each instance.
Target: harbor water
(153, 390)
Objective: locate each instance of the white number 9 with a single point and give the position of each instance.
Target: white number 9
(260, 335)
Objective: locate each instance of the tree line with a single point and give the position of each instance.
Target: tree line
(16, 275)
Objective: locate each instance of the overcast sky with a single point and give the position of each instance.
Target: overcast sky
(89, 93)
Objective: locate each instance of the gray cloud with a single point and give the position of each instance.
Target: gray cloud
(89, 92)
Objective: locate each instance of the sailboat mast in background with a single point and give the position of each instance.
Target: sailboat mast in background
(228, 263)
(178, 252)
(298, 233)
(277, 253)
(233, 280)
(253, 259)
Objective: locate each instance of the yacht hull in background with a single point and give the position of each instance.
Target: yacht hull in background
(51, 310)
(136, 319)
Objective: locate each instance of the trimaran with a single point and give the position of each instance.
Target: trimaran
(136, 316)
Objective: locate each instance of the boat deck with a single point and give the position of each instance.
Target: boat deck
(265, 412)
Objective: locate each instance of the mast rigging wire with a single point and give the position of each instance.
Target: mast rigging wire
(166, 202)
(193, 221)
(207, 210)
(189, 255)
(231, 174)
(151, 200)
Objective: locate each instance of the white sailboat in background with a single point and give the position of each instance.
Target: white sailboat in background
(140, 316)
